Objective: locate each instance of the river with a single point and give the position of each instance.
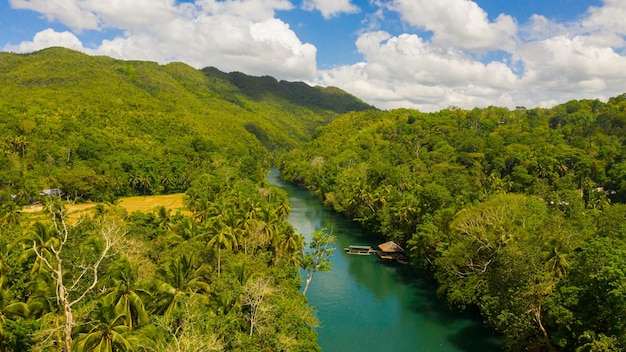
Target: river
(366, 305)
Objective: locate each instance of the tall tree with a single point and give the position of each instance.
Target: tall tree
(221, 236)
(255, 297)
(71, 292)
(318, 258)
(179, 280)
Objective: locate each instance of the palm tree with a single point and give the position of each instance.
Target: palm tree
(556, 260)
(165, 217)
(291, 246)
(106, 332)
(179, 280)
(221, 236)
(11, 214)
(283, 210)
(44, 238)
(123, 295)
(10, 308)
(184, 231)
(166, 181)
(561, 168)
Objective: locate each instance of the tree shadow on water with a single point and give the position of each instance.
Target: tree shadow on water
(476, 338)
(468, 333)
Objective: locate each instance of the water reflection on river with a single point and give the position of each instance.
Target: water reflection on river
(365, 305)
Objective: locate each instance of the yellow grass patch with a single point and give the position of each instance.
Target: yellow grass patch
(146, 204)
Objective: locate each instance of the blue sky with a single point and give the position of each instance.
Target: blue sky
(420, 54)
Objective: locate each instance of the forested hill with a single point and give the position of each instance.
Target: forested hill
(298, 93)
(284, 115)
(99, 127)
(516, 213)
(219, 272)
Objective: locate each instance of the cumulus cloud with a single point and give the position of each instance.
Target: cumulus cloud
(458, 23)
(233, 35)
(46, 39)
(539, 27)
(537, 63)
(71, 13)
(572, 64)
(406, 71)
(609, 17)
(330, 8)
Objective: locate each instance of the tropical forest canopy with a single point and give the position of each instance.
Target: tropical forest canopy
(100, 128)
(517, 214)
(222, 273)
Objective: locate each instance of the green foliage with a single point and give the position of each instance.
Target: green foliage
(318, 258)
(18, 334)
(100, 128)
(517, 214)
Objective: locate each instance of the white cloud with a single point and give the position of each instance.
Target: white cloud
(539, 28)
(249, 9)
(69, 12)
(609, 17)
(539, 63)
(330, 8)
(46, 39)
(572, 65)
(408, 71)
(240, 35)
(458, 23)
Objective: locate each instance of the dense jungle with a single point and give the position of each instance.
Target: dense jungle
(518, 215)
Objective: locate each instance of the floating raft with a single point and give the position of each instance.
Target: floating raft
(388, 251)
(359, 250)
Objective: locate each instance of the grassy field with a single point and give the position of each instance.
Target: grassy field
(146, 204)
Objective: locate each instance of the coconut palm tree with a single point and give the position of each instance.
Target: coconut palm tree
(123, 295)
(291, 246)
(11, 214)
(44, 238)
(556, 259)
(179, 279)
(221, 236)
(185, 230)
(106, 331)
(164, 216)
(10, 308)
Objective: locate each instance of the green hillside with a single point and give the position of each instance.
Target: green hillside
(99, 127)
(219, 273)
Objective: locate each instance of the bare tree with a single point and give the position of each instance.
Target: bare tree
(187, 332)
(255, 293)
(68, 294)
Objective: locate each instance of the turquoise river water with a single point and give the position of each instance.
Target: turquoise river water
(364, 304)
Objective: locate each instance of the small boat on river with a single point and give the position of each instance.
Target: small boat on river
(388, 251)
(359, 250)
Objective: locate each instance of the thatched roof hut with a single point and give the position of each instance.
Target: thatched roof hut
(391, 247)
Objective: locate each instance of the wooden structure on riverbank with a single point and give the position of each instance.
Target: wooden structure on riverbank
(392, 251)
